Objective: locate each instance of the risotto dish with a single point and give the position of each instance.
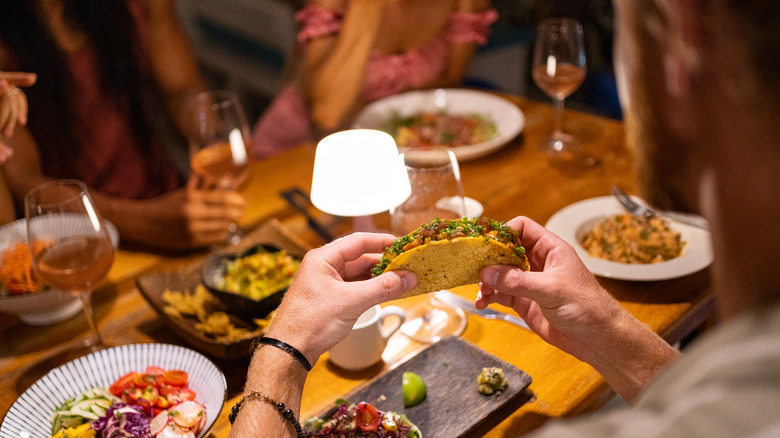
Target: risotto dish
(626, 238)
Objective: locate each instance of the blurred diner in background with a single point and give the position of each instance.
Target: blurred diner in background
(114, 79)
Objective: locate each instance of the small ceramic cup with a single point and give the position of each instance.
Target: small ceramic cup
(364, 345)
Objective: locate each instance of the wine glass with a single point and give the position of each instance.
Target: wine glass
(77, 251)
(437, 192)
(559, 70)
(219, 140)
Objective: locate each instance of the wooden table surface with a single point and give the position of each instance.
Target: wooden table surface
(515, 180)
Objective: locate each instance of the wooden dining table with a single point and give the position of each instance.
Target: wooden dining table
(516, 179)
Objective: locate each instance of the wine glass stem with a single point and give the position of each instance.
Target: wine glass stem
(558, 124)
(86, 304)
(234, 234)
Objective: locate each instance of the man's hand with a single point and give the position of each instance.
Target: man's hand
(562, 302)
(332, 289)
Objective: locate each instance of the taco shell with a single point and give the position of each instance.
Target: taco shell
(446, 264)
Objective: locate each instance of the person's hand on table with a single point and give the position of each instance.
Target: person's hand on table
(13, 106)
(209, 211)
(563, 303)
(332, 289)
(182, 219)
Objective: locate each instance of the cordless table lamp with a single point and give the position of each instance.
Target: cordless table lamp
(358, 173)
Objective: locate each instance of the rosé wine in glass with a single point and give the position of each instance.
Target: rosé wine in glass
(77, 252)
(558, 70)
(219, 143)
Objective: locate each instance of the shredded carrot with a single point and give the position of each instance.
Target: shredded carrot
(16, 269)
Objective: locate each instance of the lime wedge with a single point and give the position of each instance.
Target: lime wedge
(413, 389)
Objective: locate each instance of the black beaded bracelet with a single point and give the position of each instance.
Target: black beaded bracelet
(260, 395)
(287, 348)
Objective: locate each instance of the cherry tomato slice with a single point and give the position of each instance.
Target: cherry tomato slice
(177, 394)
(148, 393)
(367, 417)
(122, 383)
(162, 402)
(175, 377)
(144, 380)
(151, 369)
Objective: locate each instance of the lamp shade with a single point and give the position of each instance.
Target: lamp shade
(358, 172)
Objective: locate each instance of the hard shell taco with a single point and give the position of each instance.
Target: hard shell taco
(448, 253)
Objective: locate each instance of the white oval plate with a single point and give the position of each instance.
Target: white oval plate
(29, 415)
(507, 116)
(574, 220)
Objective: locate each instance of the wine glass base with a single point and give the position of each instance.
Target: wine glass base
(432, 321)
(564, 150)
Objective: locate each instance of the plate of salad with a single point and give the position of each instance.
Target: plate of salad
(134, 390)
(473, 123)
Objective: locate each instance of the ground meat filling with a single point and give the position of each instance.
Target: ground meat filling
(446, 229)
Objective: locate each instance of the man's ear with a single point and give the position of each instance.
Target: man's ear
(682, 59)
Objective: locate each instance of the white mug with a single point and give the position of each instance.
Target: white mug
(364, 345)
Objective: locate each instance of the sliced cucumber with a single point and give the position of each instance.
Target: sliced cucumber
(88, 406)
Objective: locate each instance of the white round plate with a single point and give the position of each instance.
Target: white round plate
(29, 415)
(507, 116)
(48, 306)
(571, 222)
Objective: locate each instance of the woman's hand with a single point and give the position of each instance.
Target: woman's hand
(182, 219)
(562, 302)
(209, 212)
(13, 106)
(332, 289)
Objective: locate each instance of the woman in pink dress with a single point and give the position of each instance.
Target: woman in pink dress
(351, 52)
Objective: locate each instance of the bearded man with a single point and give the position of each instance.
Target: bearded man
(698, 86)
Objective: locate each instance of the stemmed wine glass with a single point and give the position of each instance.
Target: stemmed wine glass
(437, 192)
(77, 251)
(559, 70)
(219, 140)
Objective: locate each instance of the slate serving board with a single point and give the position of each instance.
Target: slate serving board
(453, 408)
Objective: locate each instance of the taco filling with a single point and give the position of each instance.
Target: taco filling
(361, 420)
(448, 253)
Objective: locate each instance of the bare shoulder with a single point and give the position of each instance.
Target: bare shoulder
(471, 5)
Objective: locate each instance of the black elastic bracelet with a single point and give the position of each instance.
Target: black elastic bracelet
(287, 348)
(260, 395)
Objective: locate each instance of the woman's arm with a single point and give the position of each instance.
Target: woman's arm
(171, 58)
(334, 66)
(182, 219)
(460, 53)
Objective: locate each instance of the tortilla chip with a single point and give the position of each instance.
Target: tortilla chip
(446, 264)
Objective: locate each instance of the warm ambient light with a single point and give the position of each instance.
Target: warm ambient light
(358, 172)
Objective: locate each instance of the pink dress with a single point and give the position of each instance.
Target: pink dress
(286, 122)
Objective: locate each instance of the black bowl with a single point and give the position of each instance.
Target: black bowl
(213, 270)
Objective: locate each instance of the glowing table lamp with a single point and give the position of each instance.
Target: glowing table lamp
(358, 173)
